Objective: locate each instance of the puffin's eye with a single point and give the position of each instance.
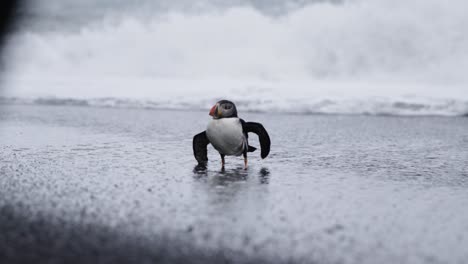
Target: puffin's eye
(227, 106)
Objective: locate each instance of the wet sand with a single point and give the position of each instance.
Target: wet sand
(83, 184)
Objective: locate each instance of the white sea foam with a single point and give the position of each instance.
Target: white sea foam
(377, 57)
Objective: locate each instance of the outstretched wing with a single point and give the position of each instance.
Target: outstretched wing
(262, 134)
(200, 143)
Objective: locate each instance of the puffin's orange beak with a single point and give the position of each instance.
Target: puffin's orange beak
(213, 110)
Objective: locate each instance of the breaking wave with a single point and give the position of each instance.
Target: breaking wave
(356, 56)
(368, 106)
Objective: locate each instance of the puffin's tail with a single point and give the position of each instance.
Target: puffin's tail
(251, 149)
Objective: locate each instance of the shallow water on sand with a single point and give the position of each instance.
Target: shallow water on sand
(347, 189)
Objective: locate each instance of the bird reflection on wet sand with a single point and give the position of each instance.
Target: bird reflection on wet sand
(225, 176)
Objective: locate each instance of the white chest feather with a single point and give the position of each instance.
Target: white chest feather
(226, 135)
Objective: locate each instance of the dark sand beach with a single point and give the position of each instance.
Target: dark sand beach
(86, 184)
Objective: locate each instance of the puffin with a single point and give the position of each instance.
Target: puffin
(228, 134)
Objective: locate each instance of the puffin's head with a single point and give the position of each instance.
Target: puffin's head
(222, 109)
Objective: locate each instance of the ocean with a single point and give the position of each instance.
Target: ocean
(357, 56)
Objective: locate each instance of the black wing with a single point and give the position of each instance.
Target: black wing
(200, 143)
(263, 136)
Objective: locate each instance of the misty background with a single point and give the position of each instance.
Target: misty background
(375, 57)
